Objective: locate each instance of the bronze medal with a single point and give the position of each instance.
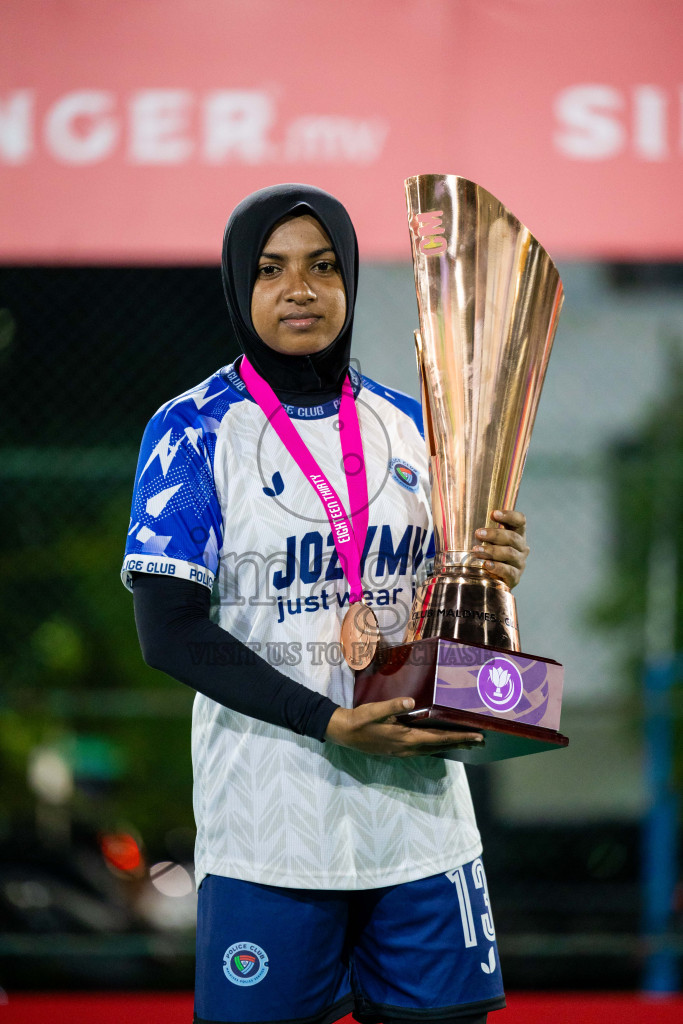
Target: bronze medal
(359, 636)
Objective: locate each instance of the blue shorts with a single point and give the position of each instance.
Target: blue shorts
(423, 950)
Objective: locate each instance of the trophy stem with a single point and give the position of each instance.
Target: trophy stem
(467, 604)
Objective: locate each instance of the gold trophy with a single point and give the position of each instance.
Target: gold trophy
(489, 299)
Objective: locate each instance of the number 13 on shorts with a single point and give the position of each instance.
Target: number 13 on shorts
(471, 928)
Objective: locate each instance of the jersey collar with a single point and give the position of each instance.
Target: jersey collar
(295, 412)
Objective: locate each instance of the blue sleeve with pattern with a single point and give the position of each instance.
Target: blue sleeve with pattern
(176, 525)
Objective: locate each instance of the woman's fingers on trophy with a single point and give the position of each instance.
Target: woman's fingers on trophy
(510, 519)
(441, 739)
(506, 560)
(386, 710)
(432, 741)
(374, 729)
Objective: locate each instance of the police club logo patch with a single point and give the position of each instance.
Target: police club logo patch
(244, 963)
(405, 474)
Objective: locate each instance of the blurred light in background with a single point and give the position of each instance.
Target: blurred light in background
(121, 851)
(169, 900)
(50, 776)
(171, 879)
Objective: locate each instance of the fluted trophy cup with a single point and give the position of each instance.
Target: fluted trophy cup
(489, 299)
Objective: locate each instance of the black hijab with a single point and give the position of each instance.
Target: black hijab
(297, 379)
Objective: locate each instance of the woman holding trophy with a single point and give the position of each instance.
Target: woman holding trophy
(339, 865)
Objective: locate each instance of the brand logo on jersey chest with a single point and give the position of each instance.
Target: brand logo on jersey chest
(277, 488)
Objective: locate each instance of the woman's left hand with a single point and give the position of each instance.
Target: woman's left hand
(503, 547)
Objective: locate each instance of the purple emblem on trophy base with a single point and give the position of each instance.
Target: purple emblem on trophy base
(500, 684)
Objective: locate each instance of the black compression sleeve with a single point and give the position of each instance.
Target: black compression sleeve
(178, 637)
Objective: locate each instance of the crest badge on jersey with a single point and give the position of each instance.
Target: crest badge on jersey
(245, 963)
(405, 474)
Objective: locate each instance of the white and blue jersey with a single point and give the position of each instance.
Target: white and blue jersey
(218, 500)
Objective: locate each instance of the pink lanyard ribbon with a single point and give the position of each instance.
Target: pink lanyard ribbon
(348, 532)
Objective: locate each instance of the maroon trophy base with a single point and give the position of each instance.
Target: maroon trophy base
(514, 699)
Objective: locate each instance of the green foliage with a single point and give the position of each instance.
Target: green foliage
(73, 676)
(643, 598)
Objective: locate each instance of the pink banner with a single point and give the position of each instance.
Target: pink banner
(129, 130)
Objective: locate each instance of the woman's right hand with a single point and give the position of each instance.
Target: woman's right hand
(373, 729)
